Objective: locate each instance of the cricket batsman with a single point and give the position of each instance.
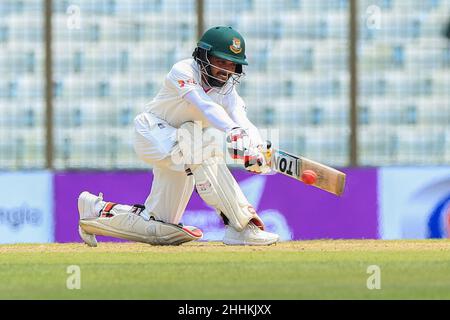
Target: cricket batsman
(198, 95)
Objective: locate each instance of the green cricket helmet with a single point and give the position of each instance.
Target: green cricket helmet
(224, 43)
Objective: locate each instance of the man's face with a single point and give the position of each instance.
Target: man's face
(223, 64)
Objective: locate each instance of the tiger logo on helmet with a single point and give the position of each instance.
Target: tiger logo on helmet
(236, 46)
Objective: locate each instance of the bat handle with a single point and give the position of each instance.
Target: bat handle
(268, 152)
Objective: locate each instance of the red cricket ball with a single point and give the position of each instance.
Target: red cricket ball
(309, 176)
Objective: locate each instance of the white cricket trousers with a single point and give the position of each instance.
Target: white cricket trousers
(154, 140)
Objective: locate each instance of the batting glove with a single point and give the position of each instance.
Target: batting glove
(240, 148)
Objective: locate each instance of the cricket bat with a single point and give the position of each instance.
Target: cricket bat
(328, 179)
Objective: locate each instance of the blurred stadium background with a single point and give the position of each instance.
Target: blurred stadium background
(357, 84)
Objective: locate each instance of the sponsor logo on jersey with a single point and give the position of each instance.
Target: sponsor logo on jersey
(183, 83)
(236, 46)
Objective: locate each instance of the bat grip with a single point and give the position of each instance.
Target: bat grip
(268, 152)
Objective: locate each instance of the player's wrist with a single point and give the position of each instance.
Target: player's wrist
(231, 128)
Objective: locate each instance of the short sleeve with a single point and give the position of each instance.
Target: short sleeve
(181, 78)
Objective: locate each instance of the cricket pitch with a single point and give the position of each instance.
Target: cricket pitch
(320, 269)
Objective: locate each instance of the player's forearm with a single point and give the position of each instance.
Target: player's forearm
(254, 134)
(218, 117)
(215, 114)
(239, 116)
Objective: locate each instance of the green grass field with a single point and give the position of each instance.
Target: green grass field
(323, 269)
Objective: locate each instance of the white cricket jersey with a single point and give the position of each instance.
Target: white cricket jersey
(169, 104)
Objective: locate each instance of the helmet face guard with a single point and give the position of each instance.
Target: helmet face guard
(222, 86)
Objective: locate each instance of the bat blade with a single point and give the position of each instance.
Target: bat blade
(328, 178)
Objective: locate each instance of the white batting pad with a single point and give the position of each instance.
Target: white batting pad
(214, 181)
(218, 188)
(132, 227)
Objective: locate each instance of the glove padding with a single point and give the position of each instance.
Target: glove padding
(240, 148)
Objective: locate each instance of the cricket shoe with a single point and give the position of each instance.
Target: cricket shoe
(88, 208)
(87, 238)
(89, 205)
(250, 236)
